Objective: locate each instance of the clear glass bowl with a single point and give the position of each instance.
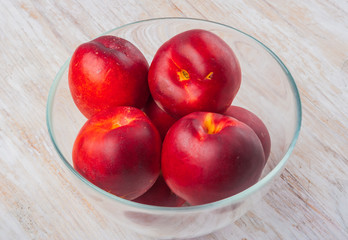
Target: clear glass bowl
(267, 89)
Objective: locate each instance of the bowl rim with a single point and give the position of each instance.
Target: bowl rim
(217, 204)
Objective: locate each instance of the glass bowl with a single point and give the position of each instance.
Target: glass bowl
(267, 89)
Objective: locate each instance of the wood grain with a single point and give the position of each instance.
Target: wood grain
(39, 201)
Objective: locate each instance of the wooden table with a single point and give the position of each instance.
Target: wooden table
(37, 201)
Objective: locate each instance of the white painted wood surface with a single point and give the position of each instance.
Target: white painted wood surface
(38, 201)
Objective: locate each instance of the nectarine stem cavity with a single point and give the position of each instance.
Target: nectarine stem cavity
(183, 75)
(209, 124)
(209, 76)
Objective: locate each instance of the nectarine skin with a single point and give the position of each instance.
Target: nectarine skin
(253, 121)
(119, 151)
(208, 156)
(107, 72)
(194, 71)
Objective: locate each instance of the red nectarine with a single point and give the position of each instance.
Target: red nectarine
(194, 71)
(119, 151)
(208, 156)
(107, 72)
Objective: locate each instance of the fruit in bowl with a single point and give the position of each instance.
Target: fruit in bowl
(106, 72)
(208, 157)
(265, 81)
(119, 151)
(194, 71)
